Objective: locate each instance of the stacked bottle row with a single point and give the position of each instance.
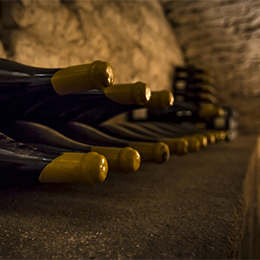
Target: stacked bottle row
(196, 102)
(54, 128)
(194, 85)
(36, 102)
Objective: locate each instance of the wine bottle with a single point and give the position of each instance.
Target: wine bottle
(145, 128)
(16, 77)
(197, 97)
(94, 105)
(183, 86)
(125, 160)
(193, 78)
(150, 152)
(160, 99)
(22, 164)
(228, 123)
(184, 71)
(187, 128)
(23, 87)
(177, 145)
(183, 111)
(219, 134)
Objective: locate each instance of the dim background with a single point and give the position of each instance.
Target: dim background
(144, 40)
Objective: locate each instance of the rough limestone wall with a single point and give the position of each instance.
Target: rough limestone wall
(134, 37)
(223, 37)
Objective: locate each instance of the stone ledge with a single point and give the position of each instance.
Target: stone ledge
(195, 206)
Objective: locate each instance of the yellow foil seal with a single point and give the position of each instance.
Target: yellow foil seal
(210, 112)
(177, 145)
(209, 88)
(129, 94)
(211, 137)
(194, 143)
(152, 152)
(125, 160)
(203, 139)
(208, 97)
(160, 99)
(73, 79)
(220, 135)
(89, 168)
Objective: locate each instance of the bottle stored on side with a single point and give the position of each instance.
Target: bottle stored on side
(176, 145)
(150, 152)
(73, 79)
(22, 164)
(124, 159)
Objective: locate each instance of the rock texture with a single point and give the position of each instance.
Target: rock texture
(138, 41)
(134, 37)
(223, 37)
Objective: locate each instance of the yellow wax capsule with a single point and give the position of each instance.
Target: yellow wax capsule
(209, 112)
(203, 140)
(220, 135)
(177, 145)
(207, 79)
(208, 97)
(129, 94)
(160, 99)
(126, 159)
(209, 88)
(194, 143)
(73, 79)
(211, 137)
(152, 152)
(89, 168)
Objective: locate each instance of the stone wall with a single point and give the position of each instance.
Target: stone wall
(223, 37)
(134, 37)
(138, 41)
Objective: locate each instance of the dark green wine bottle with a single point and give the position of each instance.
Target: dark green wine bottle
(17, 77)
(189, 70)
(150, 152)
(22, 164)
(177, 146)
(124, 159)
(145, 128)
(95, 105)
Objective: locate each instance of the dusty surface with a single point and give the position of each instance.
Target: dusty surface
(190, 207)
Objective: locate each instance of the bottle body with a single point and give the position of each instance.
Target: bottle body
(22, 164)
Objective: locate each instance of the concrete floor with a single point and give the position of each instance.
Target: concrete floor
(190, 207)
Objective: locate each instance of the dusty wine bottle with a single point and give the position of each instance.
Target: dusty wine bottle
(193, 79)
(182, 86)
(160, 99)
(22, 164)
(186, 128)
(18, 77)
(146, 128)
(95, 106)
(125, 160)
(150, 152)
(177, 145)
(23, 87)
(187, 70)
(183, 111)
(196, 98)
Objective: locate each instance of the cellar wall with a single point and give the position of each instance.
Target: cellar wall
(134, 37)
(223, 37)
(141, 40)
